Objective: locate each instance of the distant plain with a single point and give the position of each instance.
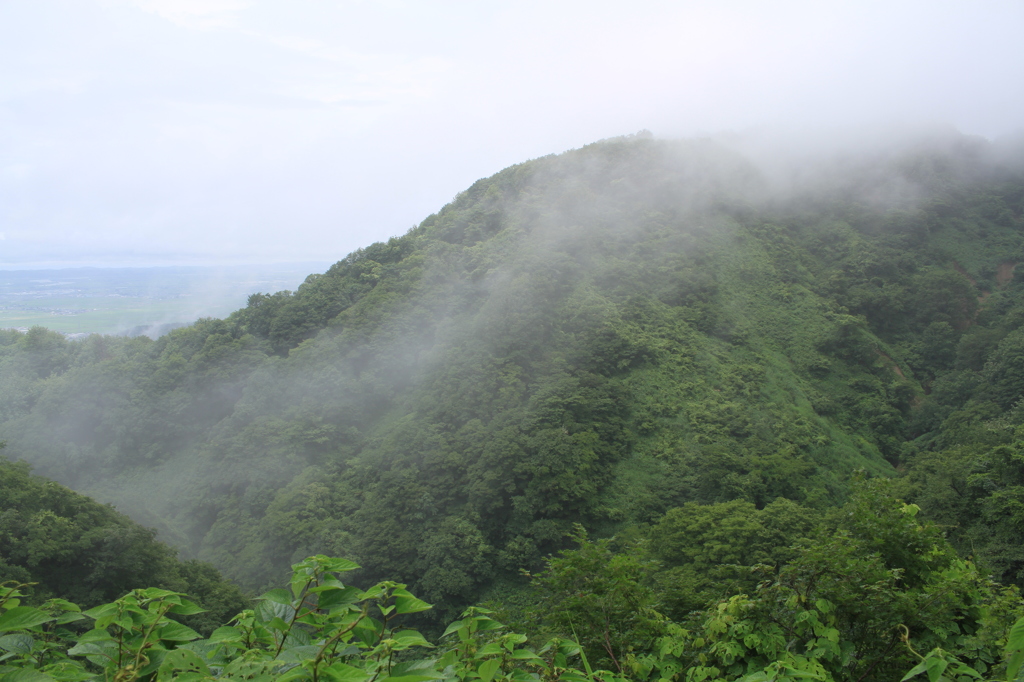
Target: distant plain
(136, 300)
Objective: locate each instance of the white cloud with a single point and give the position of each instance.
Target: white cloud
(201, 15)
(15, 171)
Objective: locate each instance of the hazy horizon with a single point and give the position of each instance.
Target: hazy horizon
(113, 264)
(138, 300)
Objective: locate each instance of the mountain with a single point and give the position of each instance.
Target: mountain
(597, 337)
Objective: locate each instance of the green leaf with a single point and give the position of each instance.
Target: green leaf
(372, 593)
(1015, 648)
(916, 670)
(21, 617)
(793, 672)
(266, 611)
(1015, 640)
(297, 672)
(62, 604)
(483, 624)
(407, 603)
(26, 675)
(368, 631)
(299, 584)
(488, 668)
(491, 649)
(961, 669)
(226, 634)
(186, 608)
(18, 644)
(95, 635)
(759, 676)
(69, 671)
(525, 655)
(278, 596)
(298, 654)
(88, 648)
(331, 598)
(298, 637)
(936, 666)
(102, 610)
(411, 605)
(176, 632)
(510, 640)
(1013, 665)
(410, 638)
(342, 672)
(422, 667)
(453, 627)
(421, 677)
(278, 624)
(69, 617)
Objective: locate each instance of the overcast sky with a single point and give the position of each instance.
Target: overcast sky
(138, 132)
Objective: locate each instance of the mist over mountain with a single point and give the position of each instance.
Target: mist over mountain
(597, 337)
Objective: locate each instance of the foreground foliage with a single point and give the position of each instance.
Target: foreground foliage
(319, 628)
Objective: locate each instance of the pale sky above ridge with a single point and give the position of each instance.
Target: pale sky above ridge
(138, 132)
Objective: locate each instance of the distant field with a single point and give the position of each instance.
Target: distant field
(116, 300)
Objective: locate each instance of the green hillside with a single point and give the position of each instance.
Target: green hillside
(597, 337)
(63, 545)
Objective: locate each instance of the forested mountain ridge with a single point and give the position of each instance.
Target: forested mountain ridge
(596, 337)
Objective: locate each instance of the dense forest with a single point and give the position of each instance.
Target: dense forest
(599, 393)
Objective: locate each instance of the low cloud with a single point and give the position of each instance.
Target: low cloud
(254, 129)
